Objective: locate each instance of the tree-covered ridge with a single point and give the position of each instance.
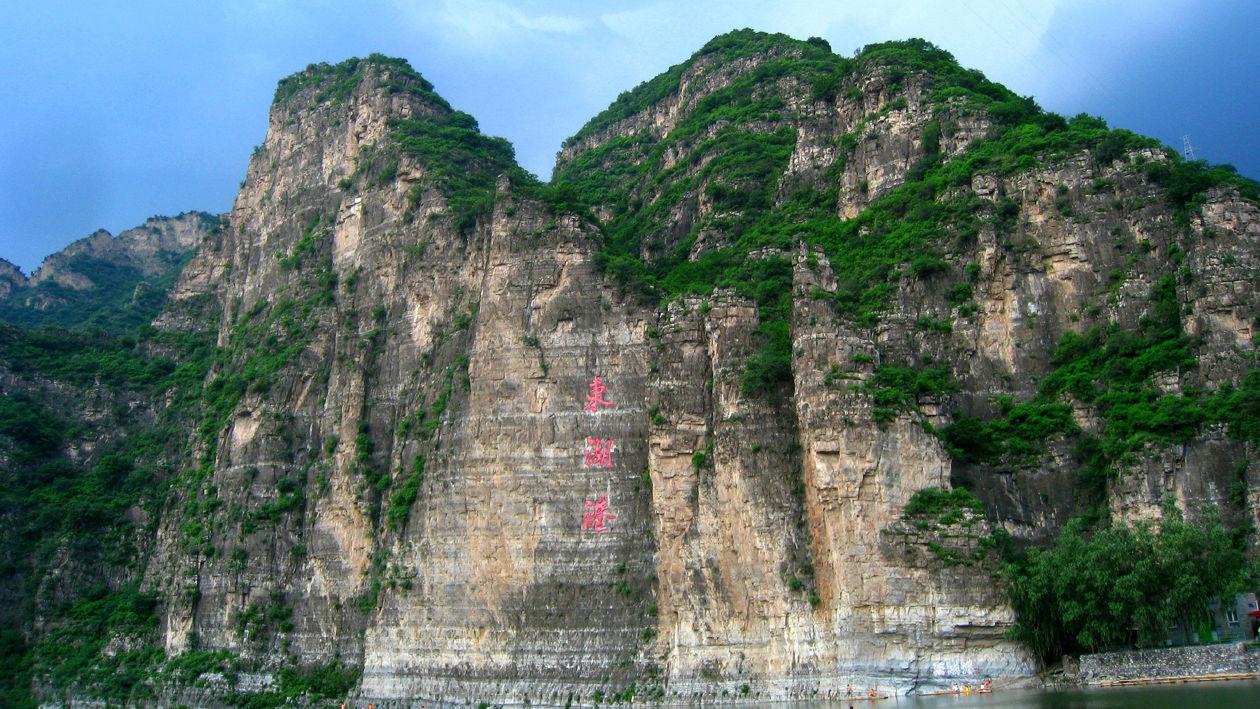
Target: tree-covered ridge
(458, 162)
(727, 47)
(730, 152)
(336, 82)
(117, 283)
(612, 171)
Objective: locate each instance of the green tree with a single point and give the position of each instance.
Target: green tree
(1102, 588)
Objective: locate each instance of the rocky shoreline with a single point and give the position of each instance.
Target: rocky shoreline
(1153, 664)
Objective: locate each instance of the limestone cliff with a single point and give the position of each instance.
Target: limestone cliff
(663, 428)
(408, 480)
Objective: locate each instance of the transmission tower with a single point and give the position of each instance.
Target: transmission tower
(1187, 150)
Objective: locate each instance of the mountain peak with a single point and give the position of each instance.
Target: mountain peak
(335, 83)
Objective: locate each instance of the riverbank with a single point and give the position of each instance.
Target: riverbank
(1233, 660)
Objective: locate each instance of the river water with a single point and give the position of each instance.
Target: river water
(1203, 695)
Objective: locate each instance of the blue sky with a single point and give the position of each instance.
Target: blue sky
(120, 110)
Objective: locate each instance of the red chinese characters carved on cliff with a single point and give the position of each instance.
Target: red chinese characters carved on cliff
(598, 452)
(595, 398)
(597, 514)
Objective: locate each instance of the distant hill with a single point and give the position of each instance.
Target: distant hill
(103, 282)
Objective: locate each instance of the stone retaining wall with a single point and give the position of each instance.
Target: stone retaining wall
(1227, 658)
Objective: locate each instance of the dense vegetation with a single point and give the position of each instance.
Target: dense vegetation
(334, 83)
(460, 162)
(1100, 588)
(120, 300)
(1111, 369)
(77, 519)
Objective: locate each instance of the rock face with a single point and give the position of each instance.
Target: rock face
(448, 363)
(11, 278)
(447, 440)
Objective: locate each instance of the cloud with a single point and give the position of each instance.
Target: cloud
(487, 23)
(551, 23)
(1002, 31)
